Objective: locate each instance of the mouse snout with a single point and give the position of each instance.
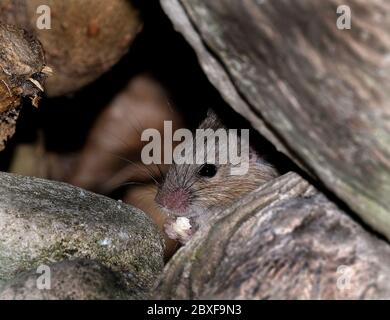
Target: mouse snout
(174, 201)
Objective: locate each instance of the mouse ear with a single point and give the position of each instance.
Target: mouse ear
(211, 121)
(211, 113)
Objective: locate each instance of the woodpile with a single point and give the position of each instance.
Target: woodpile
(318, 93)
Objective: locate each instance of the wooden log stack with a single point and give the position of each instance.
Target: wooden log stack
(320, 94)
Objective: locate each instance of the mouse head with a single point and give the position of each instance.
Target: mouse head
(192, 189)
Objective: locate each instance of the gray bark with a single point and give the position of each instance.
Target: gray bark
(284, 241)
(319, 94)
(78, 279)
(42, 222)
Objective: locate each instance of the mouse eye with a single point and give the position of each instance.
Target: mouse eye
(208, 170)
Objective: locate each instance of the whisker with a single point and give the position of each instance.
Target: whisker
(159, 169)
(143, 167)
(114, 136)
(131, 183)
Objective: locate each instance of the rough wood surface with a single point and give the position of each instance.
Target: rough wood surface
(86, 37)
(284, 241)
(21, 65)
(320, 94)
(78, 279)
(42, 222)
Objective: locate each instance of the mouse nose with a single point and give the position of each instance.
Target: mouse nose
(176, 201)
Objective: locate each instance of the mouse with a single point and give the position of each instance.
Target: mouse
(190, 193)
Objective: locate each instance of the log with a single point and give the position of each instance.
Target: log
(22, 74)
(319, 94)
(286, 240)
(78, 279)
(43, 222)
(86, 38)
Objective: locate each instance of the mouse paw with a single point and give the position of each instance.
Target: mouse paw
(179, 229)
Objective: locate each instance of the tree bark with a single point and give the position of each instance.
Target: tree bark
(83, 41)
(284, 241)
(42, 222)
(78, 279)
(22, 72)
(319, 94)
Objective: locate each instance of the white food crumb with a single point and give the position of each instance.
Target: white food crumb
(182, 225)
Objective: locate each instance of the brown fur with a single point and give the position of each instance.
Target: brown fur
(207, 195)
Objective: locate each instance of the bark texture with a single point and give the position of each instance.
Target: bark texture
(284, 241)
(86, 37)
(21, 64)
(42, 222)
(320, 94)
(78, 279)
